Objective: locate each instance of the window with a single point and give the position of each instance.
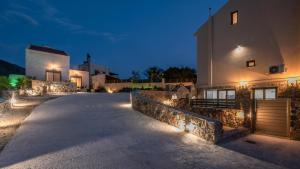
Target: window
(230, 94)
(53, 76)
(222, 94)
(77, 80)
(259, 94)
(234, 17)
(211, 94)
(251, 63)
(268, 93)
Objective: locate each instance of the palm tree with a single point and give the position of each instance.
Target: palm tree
(154, 74)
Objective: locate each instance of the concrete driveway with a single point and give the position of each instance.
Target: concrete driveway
(102, 131)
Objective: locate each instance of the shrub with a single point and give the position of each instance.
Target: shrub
(4, 83)
(24, 83)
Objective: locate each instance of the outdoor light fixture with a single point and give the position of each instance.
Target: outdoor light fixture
(292, 81)
(181, 125)
(174, 97)
(243, 83)
(12, 100)
(190, 127)
(110, 90)
(167, 102)
(53, 66)
(239, 49)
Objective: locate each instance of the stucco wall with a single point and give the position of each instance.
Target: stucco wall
(38, 62)
(267, 31)
(83, 74)
(98, 81)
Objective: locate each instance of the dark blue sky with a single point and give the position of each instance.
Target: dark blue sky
(124, 35)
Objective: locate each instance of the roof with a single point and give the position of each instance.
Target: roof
(47, 49)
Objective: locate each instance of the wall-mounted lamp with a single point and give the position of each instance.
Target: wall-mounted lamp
(243, 83)
(53, 66)
(292, 81)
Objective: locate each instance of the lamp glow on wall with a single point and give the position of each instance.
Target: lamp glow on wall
(292, 81)
(243, 83)
(53, 66)
(239, 49)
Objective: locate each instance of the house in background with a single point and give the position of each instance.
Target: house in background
(99, 75)
(50, 69)
(250, 50)
(50, 65)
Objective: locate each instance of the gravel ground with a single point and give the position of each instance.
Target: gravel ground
(102, 131)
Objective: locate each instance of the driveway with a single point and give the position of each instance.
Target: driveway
(102, 131)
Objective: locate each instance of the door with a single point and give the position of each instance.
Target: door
(273, 117)
(77, 80)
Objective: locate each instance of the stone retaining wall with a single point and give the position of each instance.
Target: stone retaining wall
(4, 106)
(229, 117)
(43, 87)
(204, 127)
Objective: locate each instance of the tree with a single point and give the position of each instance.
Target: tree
(135, 76)
(179, 74)
(154, 74)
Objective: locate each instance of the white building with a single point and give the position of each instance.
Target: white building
(52, 65)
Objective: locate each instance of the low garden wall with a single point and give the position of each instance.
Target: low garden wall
(229, 117)
(4, 106)
(42, 87)
(204, 127)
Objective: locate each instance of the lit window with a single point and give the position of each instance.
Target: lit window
(270, 94)
(212, 94)
(222, 94)
(251, 63)
(259, 94)
(234, 17)
(231, 94)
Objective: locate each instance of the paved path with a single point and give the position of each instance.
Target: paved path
(102, 131)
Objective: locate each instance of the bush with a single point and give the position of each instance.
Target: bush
(4, 83)
(24, 83)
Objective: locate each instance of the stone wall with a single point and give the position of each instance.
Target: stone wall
(4, 106)
(43, 87)
(229, 117)
(204, 127)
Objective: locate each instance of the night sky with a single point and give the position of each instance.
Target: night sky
(123, 35)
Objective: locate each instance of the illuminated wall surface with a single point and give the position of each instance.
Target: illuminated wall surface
(14, 79)
(267, 34)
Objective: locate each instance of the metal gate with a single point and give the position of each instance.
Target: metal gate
(273, 117)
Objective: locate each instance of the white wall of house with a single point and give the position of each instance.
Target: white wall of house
(98, 81)
(83, 74)
(38, 62)
(267, 32)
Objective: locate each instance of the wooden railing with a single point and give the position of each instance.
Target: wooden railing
(213, 103)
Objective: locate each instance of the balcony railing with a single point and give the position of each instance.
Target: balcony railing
(214, 103)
